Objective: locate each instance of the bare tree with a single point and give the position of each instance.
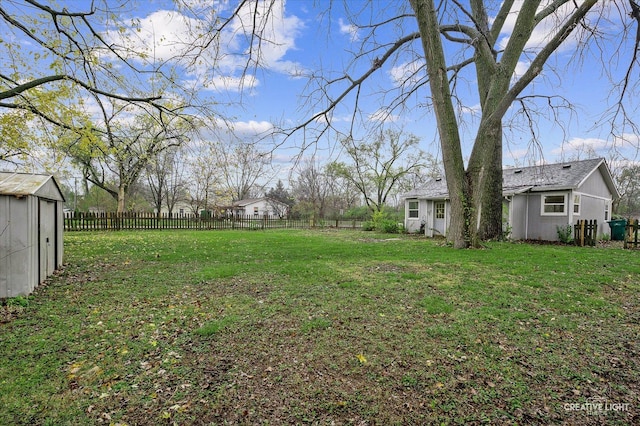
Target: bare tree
(377, 167)
(244, 169)
(629, 186)
(165, 179)
(204, 180)
(310, 188)
(342, 194)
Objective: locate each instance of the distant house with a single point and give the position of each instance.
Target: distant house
(259, 207)
(536, 200)
(181, 208)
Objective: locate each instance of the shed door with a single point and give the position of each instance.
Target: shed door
(47, 238)
(439, 215)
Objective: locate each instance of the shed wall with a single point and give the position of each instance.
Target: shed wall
(18, 246)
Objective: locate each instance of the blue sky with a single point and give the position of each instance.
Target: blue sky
(304, 38)
(303, 43)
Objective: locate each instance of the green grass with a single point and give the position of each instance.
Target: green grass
(295, 327)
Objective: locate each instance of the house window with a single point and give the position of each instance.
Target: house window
(606, 211)
(576, 204)
(255, 211)
(554, 205)
(440, 210)
(413, 209)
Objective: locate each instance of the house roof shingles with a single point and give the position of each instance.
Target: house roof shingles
(547, 177)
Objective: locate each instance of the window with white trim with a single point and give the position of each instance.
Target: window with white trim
(576, 204)
(606, 210)
(554, 205)
(413, 208)
(439, 206)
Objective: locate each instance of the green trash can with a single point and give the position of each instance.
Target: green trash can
(617, 229)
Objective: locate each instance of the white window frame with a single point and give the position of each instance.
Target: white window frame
(578, 204)
(543, 204)
(413, 213)
(607, 209)
(436, 209)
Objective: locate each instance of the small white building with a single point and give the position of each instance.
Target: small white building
(31, 225)
(259, 207)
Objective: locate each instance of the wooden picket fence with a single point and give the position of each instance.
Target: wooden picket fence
(111, 221)
(585, 233)
(631, 234)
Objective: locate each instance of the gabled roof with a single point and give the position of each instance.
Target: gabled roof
(24, 184)
(546, 177)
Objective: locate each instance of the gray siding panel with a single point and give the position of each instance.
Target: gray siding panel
(595, 185)
(543, 227)
(518, 216)
(593, 209)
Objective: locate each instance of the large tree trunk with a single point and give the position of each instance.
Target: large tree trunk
(457, 183)
(121, 198)
(485, 177)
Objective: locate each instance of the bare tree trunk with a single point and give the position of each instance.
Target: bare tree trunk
(121, 198)
(457, 182)
(485, 177)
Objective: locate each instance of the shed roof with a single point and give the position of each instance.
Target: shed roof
(24, 184)
(546, 177)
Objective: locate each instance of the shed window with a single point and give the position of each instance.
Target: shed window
(576, 204)
(440, 210)
(554, 205)
(413, 209)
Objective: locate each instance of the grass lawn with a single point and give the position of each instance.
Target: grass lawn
(323, 327)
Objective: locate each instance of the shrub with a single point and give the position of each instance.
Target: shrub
(564, 233)
(381, 222)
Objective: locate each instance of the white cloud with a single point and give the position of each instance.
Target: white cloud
(252, 128)
(581, 145)
(383, 116)
(349, 30)
(278, 33)
(408, 72)
(475, 110)
(168, 36)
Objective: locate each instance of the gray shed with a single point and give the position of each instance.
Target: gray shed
(31, 224)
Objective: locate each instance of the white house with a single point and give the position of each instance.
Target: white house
(536, 200)
(259, 207)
